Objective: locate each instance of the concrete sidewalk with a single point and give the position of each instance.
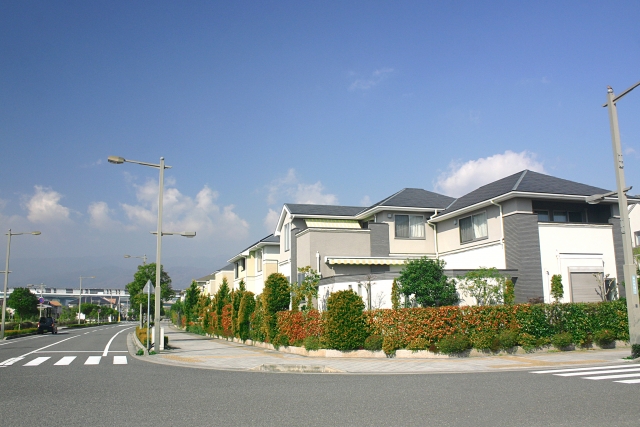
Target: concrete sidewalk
(191, 350)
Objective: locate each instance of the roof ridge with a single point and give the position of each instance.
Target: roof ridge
(515, 187)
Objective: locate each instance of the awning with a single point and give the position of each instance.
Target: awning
(365, 261)
(332, 223)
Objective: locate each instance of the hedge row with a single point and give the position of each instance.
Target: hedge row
(532, 325)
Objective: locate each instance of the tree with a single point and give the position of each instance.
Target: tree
(425, 279)
(23, 302)
(395, 295)
(557, 290)
(305, 290)
(345, 326)
(247, 307)
(606, 288)
(191, 301)
(276, 298)
(486, 285)
(140, 278)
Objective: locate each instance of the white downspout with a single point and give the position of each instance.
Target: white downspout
(504, 249)
(435, 232)
(318, 261)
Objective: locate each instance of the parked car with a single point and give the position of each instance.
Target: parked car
(47, 324)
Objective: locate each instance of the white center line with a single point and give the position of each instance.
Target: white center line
(36, 361)
(93, 360)
(604, 371)
(65, 361)
(106, 349)
(610, 377)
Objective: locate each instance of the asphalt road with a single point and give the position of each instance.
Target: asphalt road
(143, 394)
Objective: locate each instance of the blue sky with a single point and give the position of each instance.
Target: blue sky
(255, 104)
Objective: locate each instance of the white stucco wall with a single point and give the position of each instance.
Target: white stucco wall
(490, 255)
(566, 246)
(380, 292)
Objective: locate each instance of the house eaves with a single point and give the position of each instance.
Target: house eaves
(270, 240)
(511, 195)
(369, 212)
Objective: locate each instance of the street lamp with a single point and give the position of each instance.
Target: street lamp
(159, 233)
(80, 297)
(6, 275)
(625, 227)
(144, 262)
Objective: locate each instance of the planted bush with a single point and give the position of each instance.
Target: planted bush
(373, 343)
(562, 341)
(276, 298)
(604, 338)
(454, 344)
(418, 344)
(390, 344)
(312, 343)
(345, 327)
(508, 339)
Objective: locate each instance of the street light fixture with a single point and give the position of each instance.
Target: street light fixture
(144, 262)
(6, 275)
(630, 279)
(159, 233)
(80, 297)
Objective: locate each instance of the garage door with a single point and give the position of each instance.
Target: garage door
(583, 287)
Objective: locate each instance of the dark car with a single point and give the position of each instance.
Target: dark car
(47, 324)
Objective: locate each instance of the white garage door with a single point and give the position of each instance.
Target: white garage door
(583, 287)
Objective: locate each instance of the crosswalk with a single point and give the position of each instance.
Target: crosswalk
(624, 374)
(64, 361)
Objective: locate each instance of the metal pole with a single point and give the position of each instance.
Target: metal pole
(158, 256)
(80, 300)
(148, 313)
(6, 281)
(630, 279)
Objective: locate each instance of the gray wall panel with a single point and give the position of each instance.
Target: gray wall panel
(379, 239)
(522, 246)
(619, 252)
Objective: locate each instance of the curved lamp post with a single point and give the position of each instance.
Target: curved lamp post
(6, 275)
(159, 233)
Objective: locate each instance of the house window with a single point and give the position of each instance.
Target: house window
(567, 216)
(543, 216)
(287, 237)
(410, 226)
(473, 227)
(559, 216)
(259, 260)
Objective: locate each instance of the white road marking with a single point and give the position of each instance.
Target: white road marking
(610, 377)
(21, 339)
(119, 360)
(553, 371)
(65, 361)
(11, 361)
(82, 351)
(47, 346)
(106, 349)
(628, 381)
(93, 360)
(605, 371)
(37, 361)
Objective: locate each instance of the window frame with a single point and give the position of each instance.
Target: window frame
(470, 217)
(259, 255)
(287, 237)
(395, 227)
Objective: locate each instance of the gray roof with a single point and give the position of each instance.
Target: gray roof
(416, 198)
(205, 278)
(525, 181)
(269, 239)
(328, 210)
(228, 267)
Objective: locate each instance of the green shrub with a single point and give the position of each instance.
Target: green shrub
(509, 292)
(562, 341)
(276, 298)
(418, 344)
(635, 351)
(373, 343)
(485, 341)
(454, 344)
(604, 338)
(280, 340)
(508, 339)
(312, 343)
(140, 352)
(390, 344)
(345, 327)
(15, 332)
(246, 309)
(557, 290)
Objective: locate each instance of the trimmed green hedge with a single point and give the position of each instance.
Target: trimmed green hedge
(28, 331)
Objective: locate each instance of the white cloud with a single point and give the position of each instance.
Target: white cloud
(183, 213)
(44, 206)
(271, 220)
(365, 201)
(100, 216)
(289, 190)
(462, 178)
(375, 79)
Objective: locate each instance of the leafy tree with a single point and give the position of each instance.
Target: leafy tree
(486, 285)
(425, 279)
(305, 290)
(222, 298)
(557, 290)
(140, 278)
(247, 307)
(236, 298)
(24, 302)
(191, 301)
(509, 292)
(276, 298)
